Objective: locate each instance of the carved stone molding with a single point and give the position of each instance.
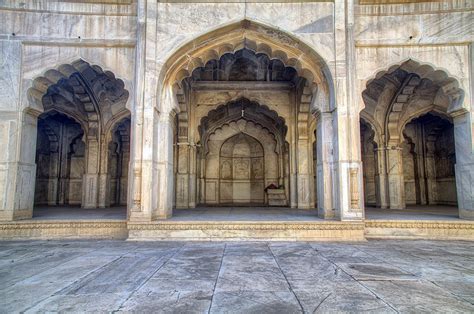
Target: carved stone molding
(247, 226)
(419, 224)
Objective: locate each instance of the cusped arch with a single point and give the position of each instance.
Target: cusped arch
(232, 111)
(428, 110)
(375, 127)
(441, 77)
(80, 87)
(389, 93)
(255, 130)
(227, 148)
(259, 38)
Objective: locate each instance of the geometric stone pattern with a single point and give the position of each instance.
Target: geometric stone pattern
(380, 276)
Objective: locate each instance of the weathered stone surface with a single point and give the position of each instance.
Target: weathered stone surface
(169, 104)
(240, 277)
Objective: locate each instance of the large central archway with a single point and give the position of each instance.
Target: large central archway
(263, 65)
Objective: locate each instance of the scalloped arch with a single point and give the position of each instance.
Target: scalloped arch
(397, 111)
(251, 128)
(448, 84)
(259, 38)
(227, 114)
(91, 87)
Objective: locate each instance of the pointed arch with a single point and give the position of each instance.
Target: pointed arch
(388, 94)
(84, 89)
(259, 38)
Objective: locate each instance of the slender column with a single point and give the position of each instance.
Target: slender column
(304, 187)
(430, 170)
(324, 150)
(165, 165)
(90, 181)
(104, 190)
(104, 177)
(420, 156)
(63, 165)
(125, 161)
(293, 166)
(396, 185)
(182, 177)
(382, 199)
(192, 176)
(53, 178)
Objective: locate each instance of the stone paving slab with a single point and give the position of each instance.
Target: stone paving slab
(236, 277)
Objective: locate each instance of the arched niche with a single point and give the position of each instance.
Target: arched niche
(241, 171)
(95, 99)
(264, 147)
(237, 61)
(60, 160)
(402, 103)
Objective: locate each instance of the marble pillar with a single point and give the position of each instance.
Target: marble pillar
(396, 184)
(382, 197)
(17, 164)
(90, 181)
(324, 150)
(464, 168)
(165, 131)
(304, 174)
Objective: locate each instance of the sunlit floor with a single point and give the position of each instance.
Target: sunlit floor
(236, 277)
(78, 213)
(418, 212)
(246, 213)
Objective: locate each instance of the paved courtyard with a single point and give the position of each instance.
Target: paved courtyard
(233, 277)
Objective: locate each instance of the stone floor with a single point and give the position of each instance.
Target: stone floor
(246, 213)
(418, 212)
(77, 213)
(235, 277)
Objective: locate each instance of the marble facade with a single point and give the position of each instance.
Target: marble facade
(163, 105)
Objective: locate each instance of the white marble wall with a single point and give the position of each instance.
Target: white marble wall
(135, 40)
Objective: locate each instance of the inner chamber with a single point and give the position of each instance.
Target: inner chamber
(232, 139)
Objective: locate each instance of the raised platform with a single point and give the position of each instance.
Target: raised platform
(229, 224)
(420, 229)
(63, 229)
(247, 230)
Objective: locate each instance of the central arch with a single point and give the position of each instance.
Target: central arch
(252, 61)
(256, 37)
(242, 151)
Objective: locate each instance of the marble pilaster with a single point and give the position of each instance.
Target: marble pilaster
(396, 185)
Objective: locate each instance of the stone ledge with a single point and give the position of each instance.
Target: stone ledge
(61, 229)
(413, 229)
(243, 230)
(246, 230)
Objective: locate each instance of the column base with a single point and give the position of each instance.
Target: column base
(466, 214)
(326, 214)
(16, 215)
